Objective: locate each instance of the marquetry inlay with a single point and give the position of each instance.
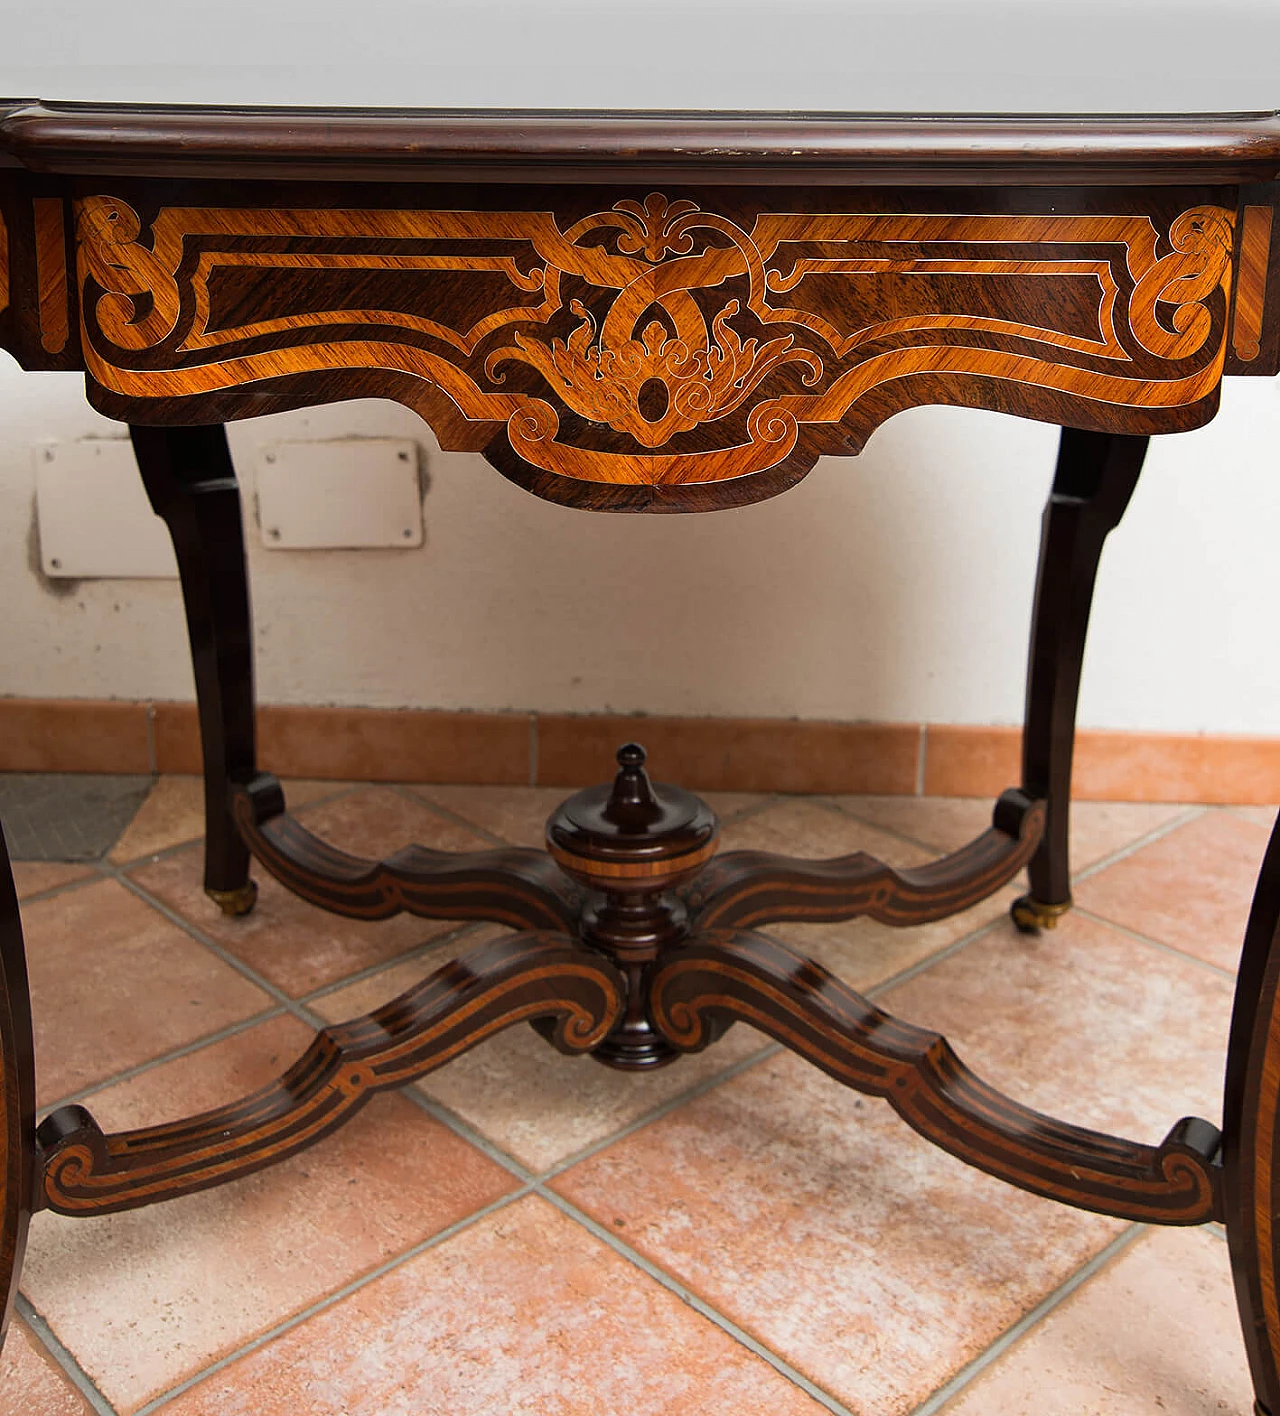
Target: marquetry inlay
(657, 341)
(51, 273)
(1251, 281)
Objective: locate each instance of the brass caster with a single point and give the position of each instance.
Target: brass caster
(235, 902)
(1030, 916)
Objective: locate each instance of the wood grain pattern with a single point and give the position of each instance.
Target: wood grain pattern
(721, 977)
(743, 889)
(519, 888)
(658, 343)
(1251, 281)
(51, 268)
(493, 986)
(1251, 1133)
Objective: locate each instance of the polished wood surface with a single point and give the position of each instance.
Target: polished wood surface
(17, 1094)
(728, 976)
(658, 352)
(649, 312)
(571, 145)
(515, 979)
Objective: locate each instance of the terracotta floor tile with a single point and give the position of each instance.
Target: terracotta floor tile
(294, 944)
(215, 1075)
(873, 1262)
(523, 1314)
(1098, 828)
(519, 814)
(34, 876)
(538, 1105)
(1191, 888)
(516, 814)
(31, 1383)
(803, 827)
(146, 1298)
(377, 821)
(1083, 1022)
(113, 984)
(864, 952)
(1264, 816)
(378, 988)
(1155, 1331)
(860, 951)
(174, 813)
(727, 805)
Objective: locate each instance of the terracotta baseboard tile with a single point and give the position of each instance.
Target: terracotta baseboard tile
(73, 735)
(365, 744)
(960, 760)
(1111, 765)
(1125, 766)
(705, 754)
(734, 754)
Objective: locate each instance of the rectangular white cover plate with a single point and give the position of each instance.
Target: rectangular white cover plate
(349, 493)
(93, 515)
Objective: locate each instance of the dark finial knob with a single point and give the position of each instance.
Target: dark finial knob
(631, 803)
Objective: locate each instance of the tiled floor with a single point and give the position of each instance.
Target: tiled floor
(525, 1233)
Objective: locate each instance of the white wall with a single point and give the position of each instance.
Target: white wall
(893, 586)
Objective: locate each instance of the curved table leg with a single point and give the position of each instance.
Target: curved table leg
(17, 1094)
(1094, 479)
(191, 482)
(1251, 1135)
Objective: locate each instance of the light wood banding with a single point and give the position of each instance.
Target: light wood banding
(51, 272)
(1251, 281)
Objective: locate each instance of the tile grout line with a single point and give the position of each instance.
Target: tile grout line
(197, 1045)
(245, 971)
(691, 1299)
(662, 1110)
(338, 1295)
(299, 1009)
(62, 1356)
(410, 793)
(1007, 1339)
(419, 951)
(1193, 813)
(94, 877)
(1228, 974)
(920, 966)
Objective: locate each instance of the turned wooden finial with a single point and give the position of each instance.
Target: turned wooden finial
(631, 803)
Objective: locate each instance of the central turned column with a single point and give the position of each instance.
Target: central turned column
(630, 845)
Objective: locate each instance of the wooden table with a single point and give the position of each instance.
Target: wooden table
(648, 312)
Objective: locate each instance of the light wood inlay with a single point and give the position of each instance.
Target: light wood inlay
(51, 273)
(658, 318)
(1251, 281)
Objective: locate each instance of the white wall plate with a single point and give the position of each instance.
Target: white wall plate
(350, 493)
(94, 518)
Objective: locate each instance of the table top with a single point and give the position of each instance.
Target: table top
(641, 311)
(911, 56)
(573, 145)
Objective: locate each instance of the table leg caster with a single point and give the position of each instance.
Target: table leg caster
(1030, 916)
(235, 902)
